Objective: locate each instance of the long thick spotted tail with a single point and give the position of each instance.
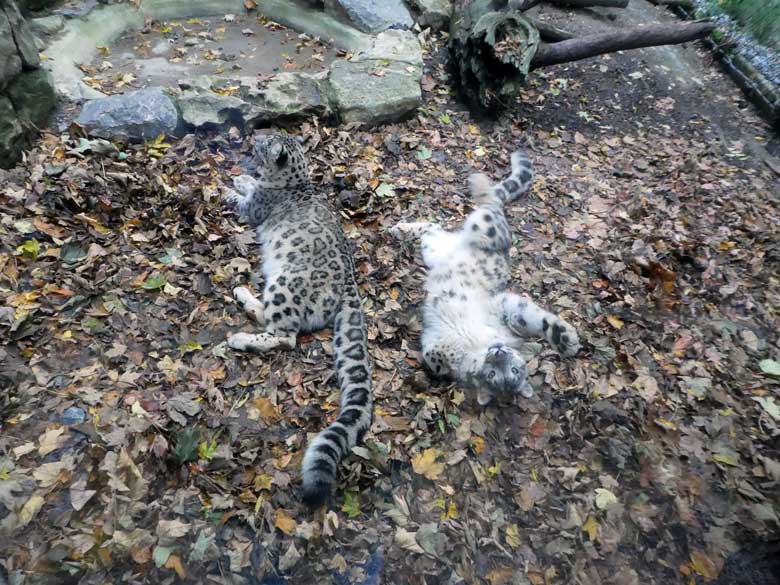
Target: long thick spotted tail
(484, 191)
(322, 457)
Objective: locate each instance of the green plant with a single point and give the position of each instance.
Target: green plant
(761, 18)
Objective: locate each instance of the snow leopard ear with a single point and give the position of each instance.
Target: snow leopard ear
(484, 396)
(279, 154)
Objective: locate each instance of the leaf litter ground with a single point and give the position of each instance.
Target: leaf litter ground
(646, 459)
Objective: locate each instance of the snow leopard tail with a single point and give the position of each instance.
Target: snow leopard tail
(353, 368)
(484, 191)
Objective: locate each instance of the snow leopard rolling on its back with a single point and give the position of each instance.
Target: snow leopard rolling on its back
(309, 284)
(473, 325)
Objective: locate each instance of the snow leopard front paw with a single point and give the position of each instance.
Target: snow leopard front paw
(405, 230)
(245, 185)
(230, 198)
(562, 336)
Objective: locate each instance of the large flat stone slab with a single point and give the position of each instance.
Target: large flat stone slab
(203, 109)
(287, 97)
(372, 16)
(374, 91)
(134, 116)
(393, 45)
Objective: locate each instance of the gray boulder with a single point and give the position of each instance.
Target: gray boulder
(371, 16)
(33, 97)
(22, 35)
(10, 62)
(432, 13)
(288, 97)
(12, 135)
(134, 116)
(204, 109)
(374, 91)
(48, 25)
(393, 45)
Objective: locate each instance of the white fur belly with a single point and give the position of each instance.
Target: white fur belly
(472, 321)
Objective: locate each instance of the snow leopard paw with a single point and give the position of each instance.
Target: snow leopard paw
(562, 336)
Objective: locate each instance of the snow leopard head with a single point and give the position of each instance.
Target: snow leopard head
(503, 371)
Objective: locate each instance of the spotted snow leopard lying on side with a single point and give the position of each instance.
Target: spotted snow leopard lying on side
(309, 284)
(472, 323)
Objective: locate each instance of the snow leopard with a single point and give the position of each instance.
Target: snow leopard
(473, 324)
(309, 283)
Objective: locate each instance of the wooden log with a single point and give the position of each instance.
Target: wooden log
(635, 38)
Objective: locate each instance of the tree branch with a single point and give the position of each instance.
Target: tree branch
(635, 38)
(548, 32)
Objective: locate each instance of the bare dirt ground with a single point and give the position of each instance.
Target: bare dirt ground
(652, 227)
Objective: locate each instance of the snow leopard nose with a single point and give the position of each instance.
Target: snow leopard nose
(496, 348)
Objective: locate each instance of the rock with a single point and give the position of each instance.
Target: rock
(370, 16)
(373, 91)
(10, 62)
(393, 45)
(433, 13)
(134, 116)
(161, 49)
(73, 415)
(36, 5)
(203, 109)
(77, 8)
(33, 97)
(22, 35)
(285, 98)
(47, 25)
(12, 134)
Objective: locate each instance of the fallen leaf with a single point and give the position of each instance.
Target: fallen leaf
(407, 541)
(604, 498)
(425, 464)
(283, 522)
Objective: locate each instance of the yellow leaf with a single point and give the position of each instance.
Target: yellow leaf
(702, 564)
(448, 510)
(500, 576)
(725, 458)
(604, 498)
(478, 444)
(174, 562)
(29, 510)
(494, 469)
(269, 412)
(591, 526)
(513, 536)
(666, 424)
(284, 523)
(615, 322)
(425, 464)
(263, 482)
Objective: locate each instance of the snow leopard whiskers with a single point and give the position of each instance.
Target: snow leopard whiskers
(473, 324)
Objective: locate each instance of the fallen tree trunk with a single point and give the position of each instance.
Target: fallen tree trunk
(494, 46)
(650, 35)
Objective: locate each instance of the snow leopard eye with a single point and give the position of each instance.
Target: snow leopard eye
(515, 371)
(491, 375)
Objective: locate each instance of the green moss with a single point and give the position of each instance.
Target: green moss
(761, 18)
